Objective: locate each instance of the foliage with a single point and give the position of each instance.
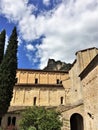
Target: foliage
(8, 69)
(2, 43)
(31, 128)
(39, 118)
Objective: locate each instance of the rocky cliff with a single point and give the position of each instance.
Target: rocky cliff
(57, 65)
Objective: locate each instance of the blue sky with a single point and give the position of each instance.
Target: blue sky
(50, 28)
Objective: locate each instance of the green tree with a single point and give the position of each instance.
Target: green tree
(39, 118)
(2, 43)
(8, 69)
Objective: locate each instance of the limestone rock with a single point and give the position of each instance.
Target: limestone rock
(57, 65)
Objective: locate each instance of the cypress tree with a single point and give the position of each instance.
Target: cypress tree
(2, 43)
(8, 69)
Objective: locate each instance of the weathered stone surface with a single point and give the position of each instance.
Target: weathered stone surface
(57, 65)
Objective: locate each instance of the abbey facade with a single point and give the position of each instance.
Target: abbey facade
(74, 93)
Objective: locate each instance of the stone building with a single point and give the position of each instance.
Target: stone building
(74, 93)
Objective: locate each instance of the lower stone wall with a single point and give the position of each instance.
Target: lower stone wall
(10, 121)
(40, 96)
(90, 90)
(66, 115)
(67, 112)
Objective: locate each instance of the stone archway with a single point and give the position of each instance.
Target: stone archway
(76, 122)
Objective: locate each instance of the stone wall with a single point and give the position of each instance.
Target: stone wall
(83, 58)
(48, 87)
(43, 77)
(66, 115)
(43, 96)
(76, 92)
(90, 90)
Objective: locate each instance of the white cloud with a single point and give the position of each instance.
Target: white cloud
(6, 43)
(70, 27)
(15, 10)
(19, 41)
(46, 2)
(30, 47)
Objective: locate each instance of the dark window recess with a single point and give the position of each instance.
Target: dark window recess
(14, 121)
(57, 81)
(62, 100)
(60, 82)
(16, 80)
(0, 120)
(34, 101)
(76, 122)
(36, 81)
(9, 121)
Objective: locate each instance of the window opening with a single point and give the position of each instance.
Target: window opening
(14, 121)
(9, 121)
(34, 102)
(60, 82)
(36, 81)
(57, 81)
(16, 80)
(62, 100)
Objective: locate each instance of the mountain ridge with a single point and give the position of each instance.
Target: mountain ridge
(57, 65)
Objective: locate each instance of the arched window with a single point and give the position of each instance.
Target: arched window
(58, 81)
(36, 81)
(14, 121)
(34, 101)
(62, 100)
(9, 121)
